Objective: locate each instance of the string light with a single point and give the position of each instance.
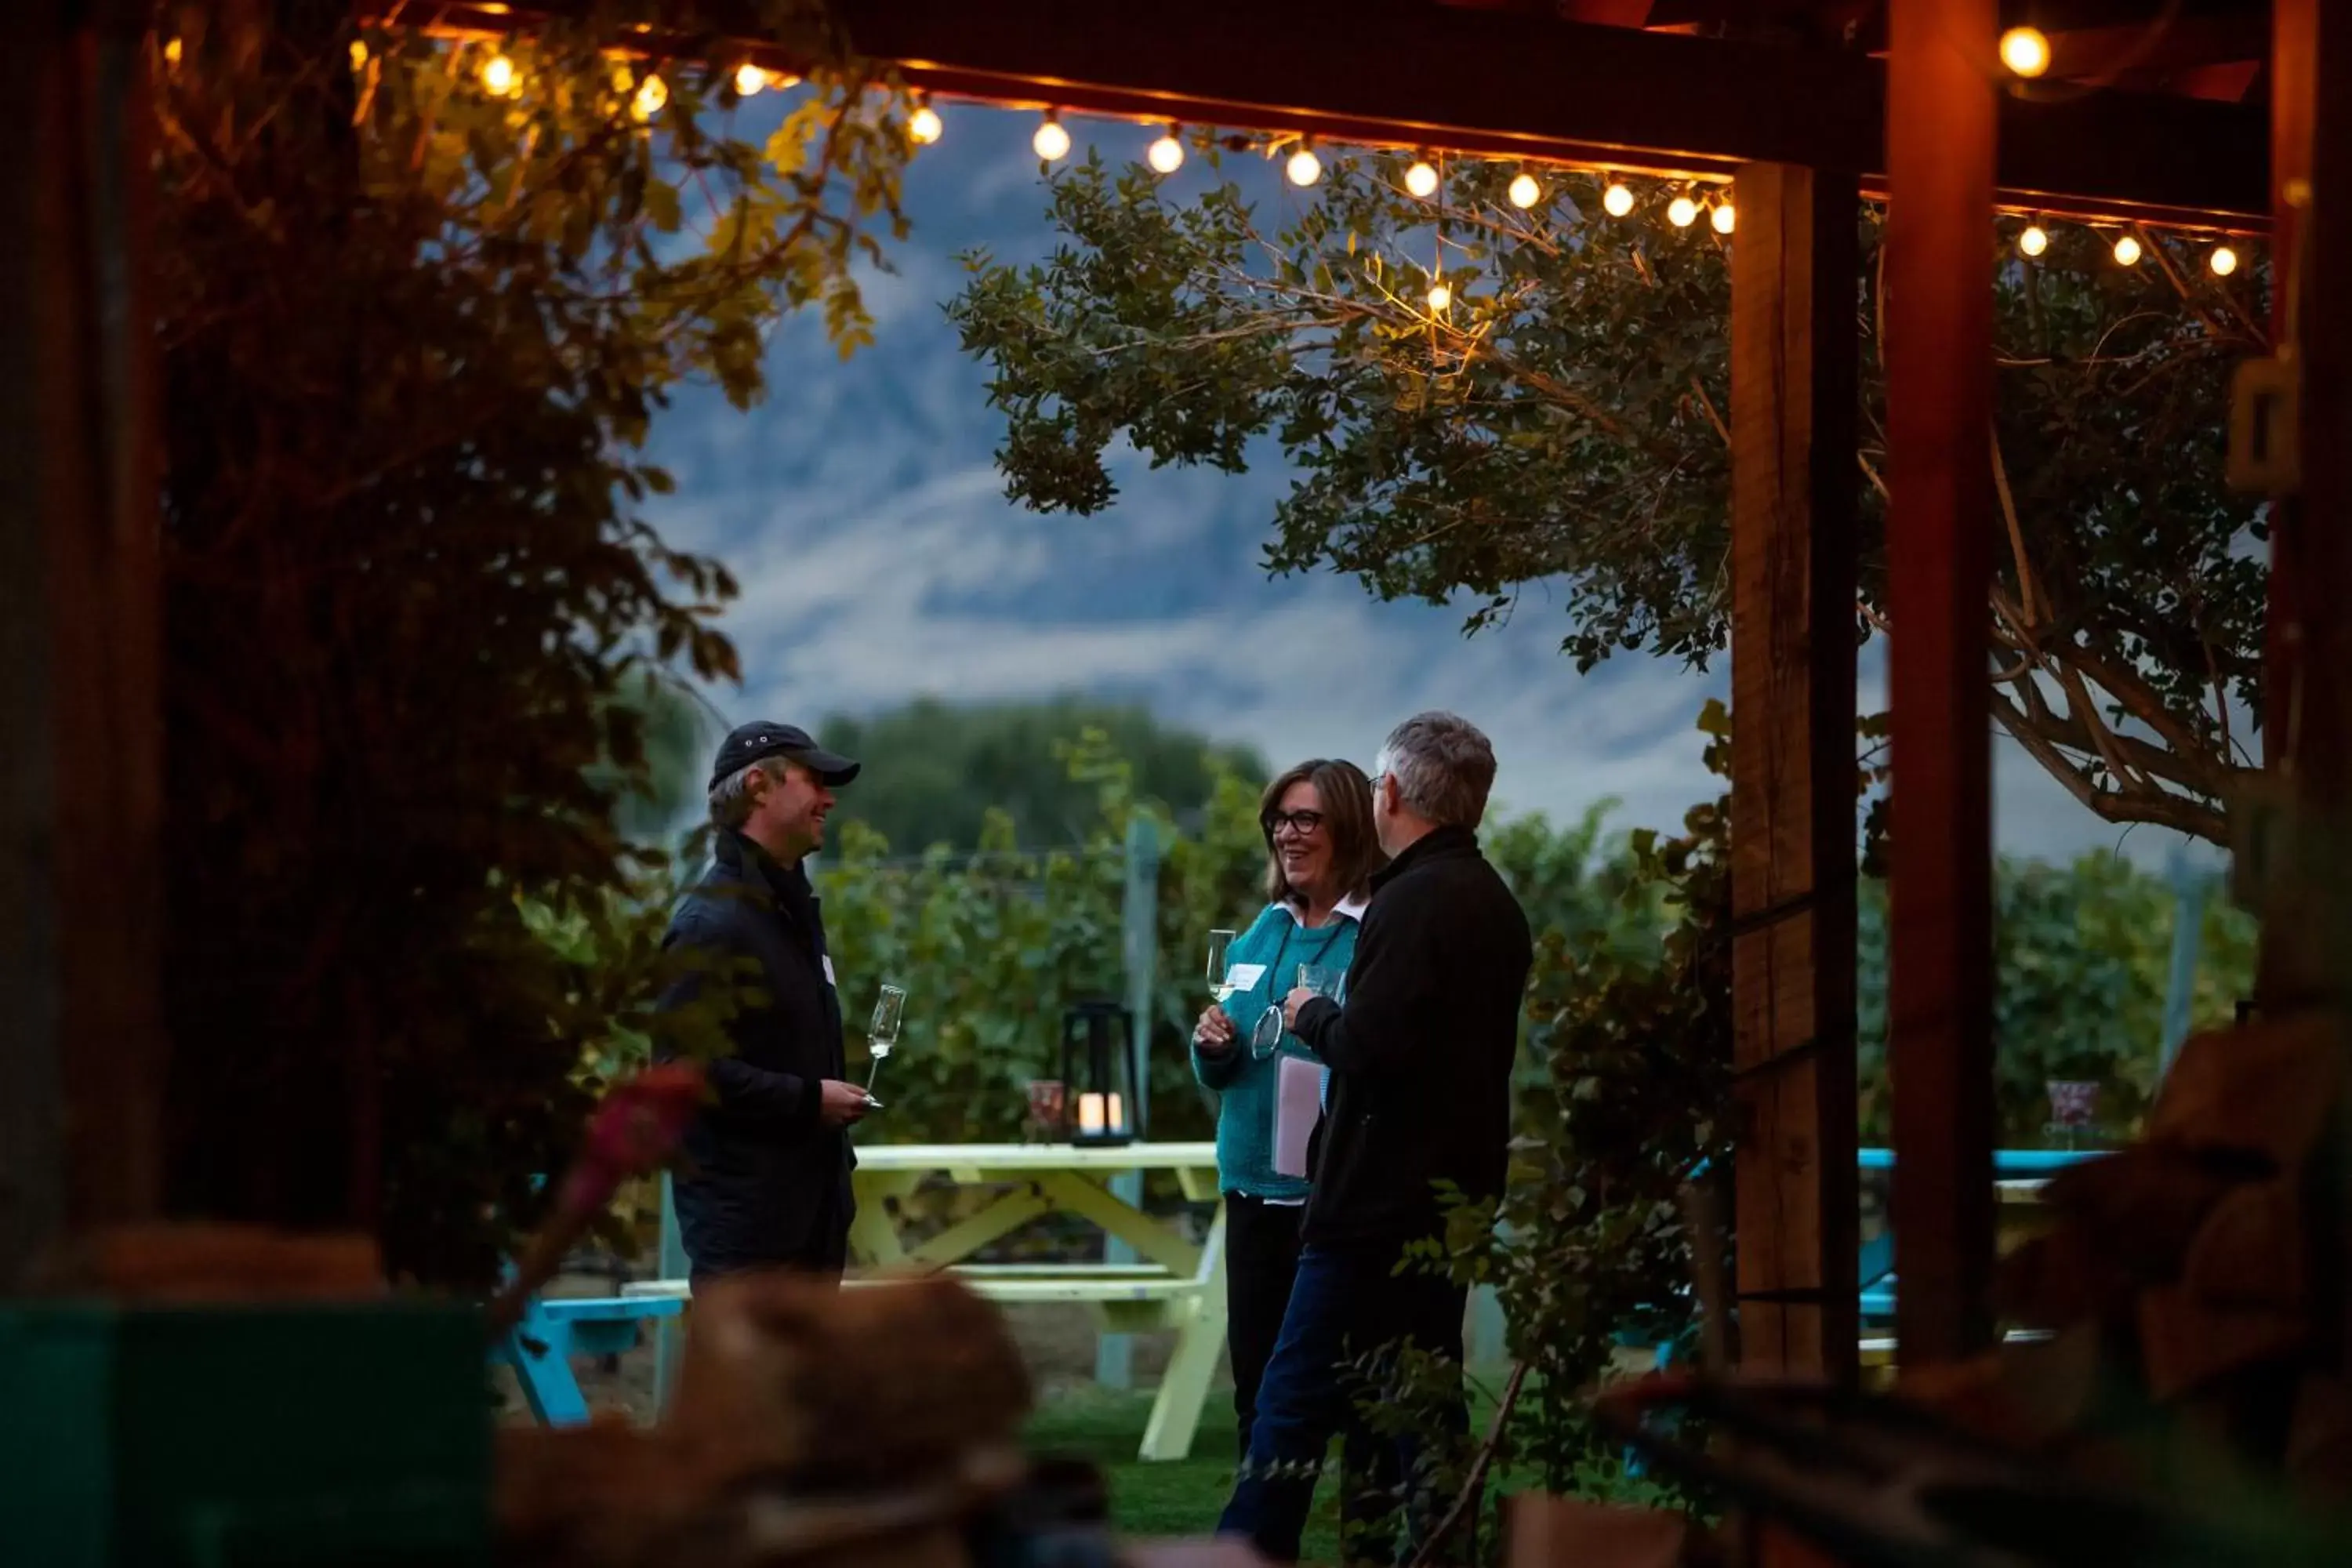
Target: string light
(1724, 217)
(1304, 168)
(2034, 240)
(1439, 297)
(1525, 192)
(749, 79)
(173, 49)
(2127, 252)
(500, 78)
(1422, 178)
(653, 93)
(1682, 212)
(1167, 155)
(1618, 199)
(924, 125)
(1051, 142)
(359, 53)
(2025, 51)
(2223, 261)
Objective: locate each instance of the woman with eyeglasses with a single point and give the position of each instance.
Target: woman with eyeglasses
(1321, 856)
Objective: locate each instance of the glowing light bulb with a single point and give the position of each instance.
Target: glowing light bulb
(1051, 142)
(173, 49)
(1167, 155)
(359, 53)
(924, 125)
(1525, 192)
(2223, 261)
(1422, 179)
(1439, 297)
(1617, 200)
(2127, 252)
(500, 78)
(1724, 218)
(1682, 212)
(2034, 240)
(652, 94)
(749, 79)
(2025, 51)
(1304, 168)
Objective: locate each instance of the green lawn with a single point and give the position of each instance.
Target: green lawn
(1180, 1498)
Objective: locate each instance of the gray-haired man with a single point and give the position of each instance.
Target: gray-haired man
(767, 1178)
(1419, 1056)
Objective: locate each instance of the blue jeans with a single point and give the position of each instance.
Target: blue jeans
(1343, 1305)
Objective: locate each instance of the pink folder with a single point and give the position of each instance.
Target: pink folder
(1297, 1106)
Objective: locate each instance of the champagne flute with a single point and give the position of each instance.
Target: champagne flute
(1221, 944)
(882, 1032)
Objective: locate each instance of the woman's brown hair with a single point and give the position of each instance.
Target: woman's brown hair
(1346, 796)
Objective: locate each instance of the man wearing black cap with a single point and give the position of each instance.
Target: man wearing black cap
(766, 1178)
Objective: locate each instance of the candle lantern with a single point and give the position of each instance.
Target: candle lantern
(1098, 1072)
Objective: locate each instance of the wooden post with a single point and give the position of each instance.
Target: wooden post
(1140, 954)
(2307, 922)
(81, 1063)
(1941, 100)
(2294, 90)
(1794, 275)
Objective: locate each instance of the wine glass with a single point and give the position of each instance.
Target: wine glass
(1221, 944)
(1267, 1038)
(882, 1033)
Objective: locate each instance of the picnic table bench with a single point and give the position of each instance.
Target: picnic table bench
(1178, 1283)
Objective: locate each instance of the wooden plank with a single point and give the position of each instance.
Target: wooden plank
(968, 1234)
(1540, 87)
(1794, 273)
(1939, 407)
(81, 1066)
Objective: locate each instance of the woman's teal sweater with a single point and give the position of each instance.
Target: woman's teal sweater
(1246, 1087)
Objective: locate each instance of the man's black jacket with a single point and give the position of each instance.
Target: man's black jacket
(766, 1180)
(1420, 1051)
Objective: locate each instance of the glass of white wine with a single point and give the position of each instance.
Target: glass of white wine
(1218, 969)
(882, 1032)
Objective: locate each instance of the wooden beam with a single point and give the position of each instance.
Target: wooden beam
(81, 1063)
(1793, 399)
(1939, 412)
(1409, 73)
(2294, 90)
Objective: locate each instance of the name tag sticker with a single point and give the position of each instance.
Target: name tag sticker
(828, 969)
(1245, 976)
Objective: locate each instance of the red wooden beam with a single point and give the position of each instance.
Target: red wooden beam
(2295, 89)
(1408, 72)
(1940, 410)
(81, 1039)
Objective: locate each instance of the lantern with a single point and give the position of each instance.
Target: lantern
(1098, 1071)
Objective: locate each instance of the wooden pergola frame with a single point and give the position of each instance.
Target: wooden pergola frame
(1804, 135)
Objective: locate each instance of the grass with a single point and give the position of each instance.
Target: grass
(1180, 1497)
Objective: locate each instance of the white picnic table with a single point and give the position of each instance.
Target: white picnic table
(1177, 1283)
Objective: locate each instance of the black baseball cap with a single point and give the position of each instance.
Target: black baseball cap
(749, 744)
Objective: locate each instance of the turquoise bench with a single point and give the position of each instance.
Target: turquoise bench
(1876, 1272)
(541, 1346)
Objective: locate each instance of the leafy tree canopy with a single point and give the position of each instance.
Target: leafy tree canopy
(935, 771)
(1563, 415)
(419, 302)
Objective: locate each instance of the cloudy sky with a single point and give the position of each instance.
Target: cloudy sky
(861, 509)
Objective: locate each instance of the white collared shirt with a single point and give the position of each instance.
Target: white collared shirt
(1351, 906)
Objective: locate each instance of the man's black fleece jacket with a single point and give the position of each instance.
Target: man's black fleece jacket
(1420, 1051)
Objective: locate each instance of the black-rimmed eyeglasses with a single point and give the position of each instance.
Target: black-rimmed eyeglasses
(1301, 823)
